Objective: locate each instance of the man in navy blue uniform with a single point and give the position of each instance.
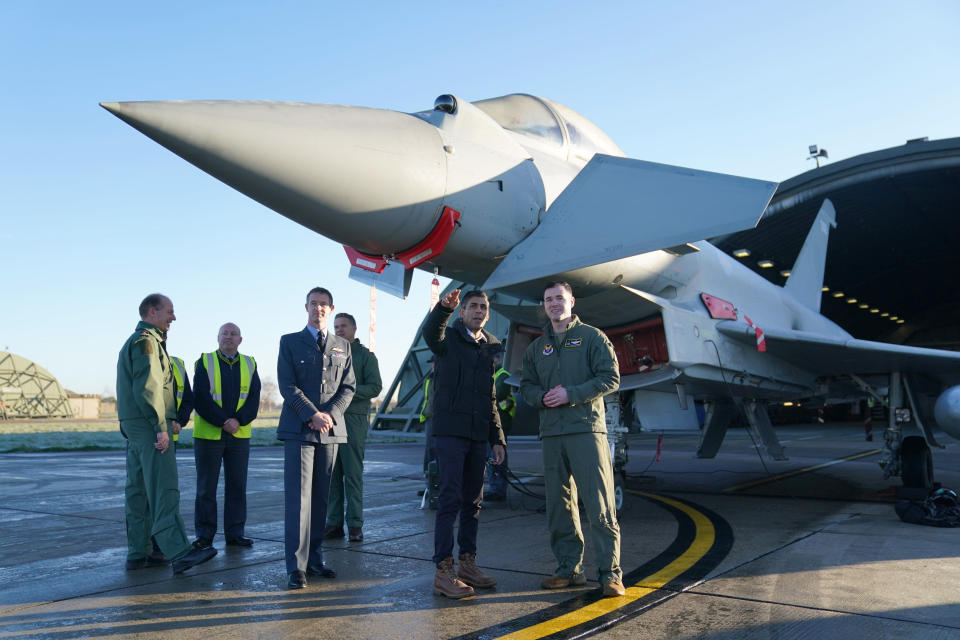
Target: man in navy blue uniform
(315, 376)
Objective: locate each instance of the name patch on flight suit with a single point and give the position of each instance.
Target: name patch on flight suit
(547, 350)
(573, 342)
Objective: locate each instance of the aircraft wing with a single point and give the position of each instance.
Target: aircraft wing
(619, 207)
(834, 356)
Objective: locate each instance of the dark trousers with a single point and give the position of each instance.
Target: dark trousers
(306, 484)
(428, 452)
(497, 474)
(461, 464)
(234, 454)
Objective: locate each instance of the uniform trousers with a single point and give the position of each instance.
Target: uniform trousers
(347, 479)
(152, 503)
(234, 454)
(461, 463)
(573, 464)
(306, 484)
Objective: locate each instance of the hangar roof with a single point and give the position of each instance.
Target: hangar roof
(895, 246)
(27, 390)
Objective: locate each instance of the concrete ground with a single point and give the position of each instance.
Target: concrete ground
(735, 547)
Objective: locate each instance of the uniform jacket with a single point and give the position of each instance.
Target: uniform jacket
(312, 380)
(464, 400)
(146, 401)
(584, 362)
(230, 390)
(366, 369)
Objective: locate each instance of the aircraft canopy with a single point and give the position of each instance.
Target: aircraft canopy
(551, 124)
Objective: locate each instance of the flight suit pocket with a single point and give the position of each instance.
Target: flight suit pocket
(545, 367)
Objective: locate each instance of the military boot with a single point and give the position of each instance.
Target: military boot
(470, 573)
(446, 583)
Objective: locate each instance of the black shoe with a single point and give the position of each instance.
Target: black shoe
(240, 541)
(331, 533)
(153, 560)
(157, 559)
(202, 543)
(323, 571)
(192, 559)
(297, 580)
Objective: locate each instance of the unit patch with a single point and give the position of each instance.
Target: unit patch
(573, 342)
(547, 350)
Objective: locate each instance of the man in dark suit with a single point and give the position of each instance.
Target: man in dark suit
(315, 376)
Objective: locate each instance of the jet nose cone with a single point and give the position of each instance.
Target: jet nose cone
(369, 178)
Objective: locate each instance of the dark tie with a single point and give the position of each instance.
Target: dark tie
(320, 340)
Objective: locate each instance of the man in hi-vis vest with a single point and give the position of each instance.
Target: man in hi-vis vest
(226, 390)
(183, 394)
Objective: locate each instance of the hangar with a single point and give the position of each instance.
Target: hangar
(27, 390)
(891, 264)
(892, 260)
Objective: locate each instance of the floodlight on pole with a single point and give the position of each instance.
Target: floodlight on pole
(816, 153)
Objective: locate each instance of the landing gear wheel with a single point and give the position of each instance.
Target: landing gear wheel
(618, 491)
(916, 463)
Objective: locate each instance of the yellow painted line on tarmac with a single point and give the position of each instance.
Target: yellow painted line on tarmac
(788, 474)
(702, 542)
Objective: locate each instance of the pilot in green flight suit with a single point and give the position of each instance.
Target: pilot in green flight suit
(146, 407)
(346, 482)
(566, 373)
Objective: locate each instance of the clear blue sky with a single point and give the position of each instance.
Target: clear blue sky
(95, 215)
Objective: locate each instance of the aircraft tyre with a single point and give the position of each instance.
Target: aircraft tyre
(916, 463)
(619, 492)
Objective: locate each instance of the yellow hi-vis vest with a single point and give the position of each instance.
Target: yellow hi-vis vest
(508, 404)
(202, 428)
(179, 375)
(425, 407)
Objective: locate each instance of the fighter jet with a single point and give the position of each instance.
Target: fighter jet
(516, 191)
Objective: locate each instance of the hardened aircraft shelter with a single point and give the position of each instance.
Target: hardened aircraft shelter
(27, 390)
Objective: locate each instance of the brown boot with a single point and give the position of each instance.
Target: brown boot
(613, 587)
(470, 573)
(562, 582)
(445, 582)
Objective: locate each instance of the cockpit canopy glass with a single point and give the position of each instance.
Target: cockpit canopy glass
(545, 121)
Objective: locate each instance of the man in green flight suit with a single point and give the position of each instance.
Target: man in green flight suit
(347, 477)
(566, 373)
(146, 408)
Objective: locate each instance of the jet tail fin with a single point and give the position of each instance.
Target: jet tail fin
(619, 207)
(805, 283)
